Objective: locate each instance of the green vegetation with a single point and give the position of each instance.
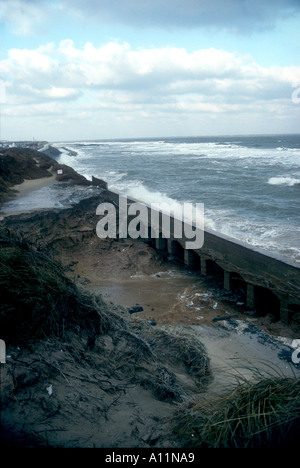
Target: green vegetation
(261, 414)
(39, 301)
(37, 298)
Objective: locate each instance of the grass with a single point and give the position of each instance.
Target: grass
(261, 414)
(38, 299)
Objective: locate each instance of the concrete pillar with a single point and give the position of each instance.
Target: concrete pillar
(203, 266)
(187, 258)
(170, 247)
(161, 244)
(191, 259)
(227, 281)
(284, 311)
(250, 302)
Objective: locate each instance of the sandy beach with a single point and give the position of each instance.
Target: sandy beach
(29, 186)
(158, 298)
(130, 274)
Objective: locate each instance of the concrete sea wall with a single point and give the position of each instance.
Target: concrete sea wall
(271, 284)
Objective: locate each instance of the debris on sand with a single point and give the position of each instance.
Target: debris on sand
(80, 373)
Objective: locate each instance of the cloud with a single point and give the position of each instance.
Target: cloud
(24, 17)
(235, 15)
(63, 71)
(115, 82)
(238, 16)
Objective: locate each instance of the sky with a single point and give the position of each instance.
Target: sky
(110, 69)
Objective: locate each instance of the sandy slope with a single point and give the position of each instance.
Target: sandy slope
(126, 391)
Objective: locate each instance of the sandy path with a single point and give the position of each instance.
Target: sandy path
(30, 185)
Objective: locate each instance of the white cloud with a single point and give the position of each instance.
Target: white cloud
(39, 61)
(116, 82)
(24, 16)
(116, 66)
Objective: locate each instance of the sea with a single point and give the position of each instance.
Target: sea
(249, 185)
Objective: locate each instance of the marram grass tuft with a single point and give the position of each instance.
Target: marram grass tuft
(38, 299)
(260, 414)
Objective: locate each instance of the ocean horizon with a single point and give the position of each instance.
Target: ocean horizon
(250, 185)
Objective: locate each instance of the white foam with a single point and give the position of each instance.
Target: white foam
(119, 163)
(41, 198)
(287, 181)
(159, 200)
(112, 177)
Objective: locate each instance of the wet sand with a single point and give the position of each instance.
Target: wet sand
(22, 191)
(170, 298)
(131, 273)
(157, 294)
(241, 345)
(29, 186)
(239, 348)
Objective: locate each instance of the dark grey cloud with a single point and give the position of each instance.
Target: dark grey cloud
(235, 15)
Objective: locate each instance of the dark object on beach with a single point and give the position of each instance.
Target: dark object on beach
(225, 317)
(135, 309)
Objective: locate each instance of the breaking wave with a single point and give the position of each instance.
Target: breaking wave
(287, 181)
